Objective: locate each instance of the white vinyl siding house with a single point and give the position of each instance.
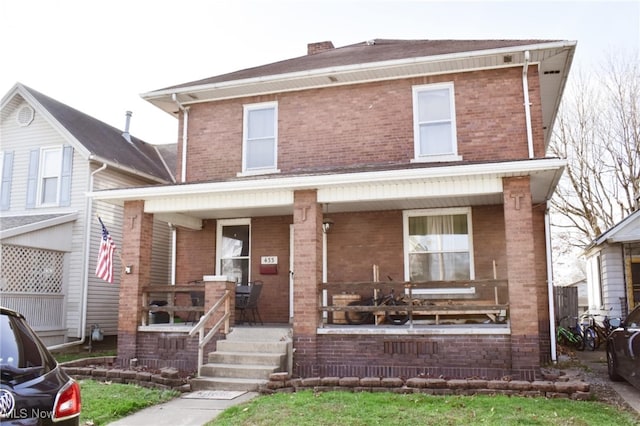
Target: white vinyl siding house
(47, 173)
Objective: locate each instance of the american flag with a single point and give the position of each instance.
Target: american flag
(104, 268)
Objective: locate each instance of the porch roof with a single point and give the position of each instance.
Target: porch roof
(390, 189)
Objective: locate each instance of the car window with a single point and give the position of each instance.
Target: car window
(633, 320)
(21, 351)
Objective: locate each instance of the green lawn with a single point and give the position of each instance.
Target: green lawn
(106, 402)
(345, 408)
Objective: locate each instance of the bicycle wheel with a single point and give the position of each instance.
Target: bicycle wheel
(358, 318)
(397, 317)
(590, 338)
(578, 341)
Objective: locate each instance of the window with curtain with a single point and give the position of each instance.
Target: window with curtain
(439, 247)
(260, 137)
(434, 122)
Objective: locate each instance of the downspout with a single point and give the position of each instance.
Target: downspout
(551, 295)
(173, 253)
(85, 267)
(527, 105)
(185, 127)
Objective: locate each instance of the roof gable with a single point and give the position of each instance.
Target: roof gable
(101, 142)
(627, 230)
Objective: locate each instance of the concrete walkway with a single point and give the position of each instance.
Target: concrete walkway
(597, 362)
(191, 409)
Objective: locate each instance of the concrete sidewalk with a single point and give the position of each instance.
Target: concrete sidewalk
(597, 362)
(190, 409)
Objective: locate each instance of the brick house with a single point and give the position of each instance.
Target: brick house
(422, 162)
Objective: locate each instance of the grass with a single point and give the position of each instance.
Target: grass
(72, 356)
(103, 403)
(340, 408)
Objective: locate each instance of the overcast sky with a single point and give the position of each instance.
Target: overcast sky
(98, 56)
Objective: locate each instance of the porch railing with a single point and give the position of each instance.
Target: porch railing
(43, 311)
(433, 300)
(169, 300)
(199, 328)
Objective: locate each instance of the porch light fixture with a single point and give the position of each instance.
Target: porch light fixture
(327, 224)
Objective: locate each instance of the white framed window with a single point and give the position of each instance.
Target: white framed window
(260, 138)
(438, 245)
(50, 176)
(434, 123)
(233, 249)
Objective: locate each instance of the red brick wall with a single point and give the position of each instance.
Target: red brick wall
(368, 124)
(524, 285)
(196, 252)
(136, 252)
(451, 356)
(270, 237)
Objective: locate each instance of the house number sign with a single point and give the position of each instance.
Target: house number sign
(269, 265)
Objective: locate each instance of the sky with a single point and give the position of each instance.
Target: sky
(98, 56)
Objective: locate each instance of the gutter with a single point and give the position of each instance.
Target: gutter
(320, 72)
(513, 168)
(527, 103)
(550, 286)
(85, 266)
(185, 128)
(126, 169)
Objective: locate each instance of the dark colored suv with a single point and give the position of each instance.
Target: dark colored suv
(623, 350)
(34, 390)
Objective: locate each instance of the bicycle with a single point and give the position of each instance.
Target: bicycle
(368, 317)
(571, 336)
(594, 333)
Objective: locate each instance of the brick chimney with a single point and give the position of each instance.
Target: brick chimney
(319, 47)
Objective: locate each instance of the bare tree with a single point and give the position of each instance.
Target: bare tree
(598, 132)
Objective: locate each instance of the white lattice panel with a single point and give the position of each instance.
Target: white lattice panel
(29, 270)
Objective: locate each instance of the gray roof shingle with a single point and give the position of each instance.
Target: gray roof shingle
(361, 53)
(107, 142)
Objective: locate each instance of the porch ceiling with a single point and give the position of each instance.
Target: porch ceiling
(416, 188)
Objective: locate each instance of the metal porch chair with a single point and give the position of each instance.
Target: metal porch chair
(248, 304)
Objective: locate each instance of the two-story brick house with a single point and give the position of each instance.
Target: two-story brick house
(427, 160)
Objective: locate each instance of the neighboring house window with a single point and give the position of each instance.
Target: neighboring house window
(6, 173)
(233, 251)
(434, 123)
(49, 182)
(438, 245)
(260, 138)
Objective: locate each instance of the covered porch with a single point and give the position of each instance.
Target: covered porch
(500, 304)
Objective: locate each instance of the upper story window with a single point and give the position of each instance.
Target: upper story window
(260, 138)
(49, 181)
(50, 171)
(434, 123)
(438, 245)
(6, 173)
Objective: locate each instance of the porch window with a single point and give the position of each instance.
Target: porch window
(434, 121)
(438, 245)
(233, 251)
(260, 141)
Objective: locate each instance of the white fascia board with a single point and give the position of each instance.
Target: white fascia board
(149, 96)
(514, 168)
(126, 169)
